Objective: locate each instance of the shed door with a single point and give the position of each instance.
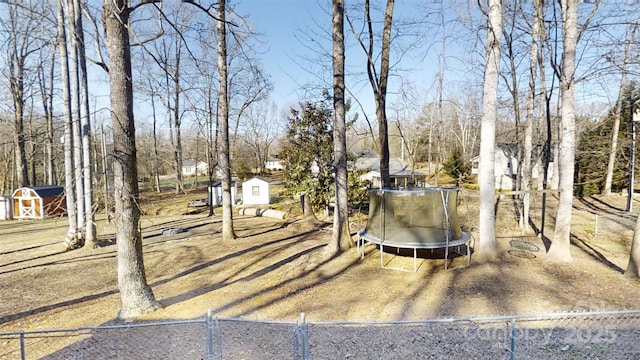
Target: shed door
(28, 208)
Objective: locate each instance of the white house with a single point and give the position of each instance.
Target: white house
(255, 191)
(506, 167)
(193, 167)
(273, 164)
(401, 175)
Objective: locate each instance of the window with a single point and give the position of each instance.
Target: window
(255, 190)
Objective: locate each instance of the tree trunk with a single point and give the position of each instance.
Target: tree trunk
(559, 250)
(528, 130)
(379, 84)
(223, 113)
(69, 190)
(616, 120)
(341, 238)
(74, 78)
(85, 133)
(135, 295)
(633, 268)
(486, 175)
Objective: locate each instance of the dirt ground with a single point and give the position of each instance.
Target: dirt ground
(276, 270)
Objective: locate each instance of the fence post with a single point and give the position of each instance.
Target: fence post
(513, 339)
(209, 330)
(296, 348)
(304, 331)
(23, 350)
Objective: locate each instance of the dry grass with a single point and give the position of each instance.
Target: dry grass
(276, 271)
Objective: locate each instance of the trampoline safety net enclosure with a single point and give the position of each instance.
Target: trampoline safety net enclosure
(415, 219)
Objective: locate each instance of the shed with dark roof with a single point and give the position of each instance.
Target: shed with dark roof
(39, 202)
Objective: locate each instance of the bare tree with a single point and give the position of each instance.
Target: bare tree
(19, 26)
(378, 78)
(531, 100)
(340, 239)
(486, 176)
(136, 296)
(69, 164)
(560, 247)
(616, 120)
(223, 115)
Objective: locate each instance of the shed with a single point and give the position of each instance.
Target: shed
(255, 191)
(6, 212)
(215, 193)
(39, 202)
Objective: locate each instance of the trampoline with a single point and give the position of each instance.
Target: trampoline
(415, 219)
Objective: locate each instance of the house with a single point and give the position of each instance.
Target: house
(194, 167)
(273, 164)
(39, 202)
(506, 166)
(255, 191)
(215, 193)
(399, 172)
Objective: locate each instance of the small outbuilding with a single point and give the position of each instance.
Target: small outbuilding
(255, 191)
(6, 208)
(39, 202)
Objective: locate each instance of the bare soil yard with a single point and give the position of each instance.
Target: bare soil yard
(276, 270)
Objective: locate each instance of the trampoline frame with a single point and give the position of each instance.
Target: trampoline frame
(464, 240)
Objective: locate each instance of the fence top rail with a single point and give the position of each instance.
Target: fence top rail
(542, 316)
(104, 327)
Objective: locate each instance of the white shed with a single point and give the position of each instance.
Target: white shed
(6, 208)
(255, 191)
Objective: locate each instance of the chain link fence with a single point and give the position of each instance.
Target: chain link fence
(576, 335)
(621, 224)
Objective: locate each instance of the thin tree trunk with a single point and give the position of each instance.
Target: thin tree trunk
(616, 120)
(486, 175)
(136, 296)
(85, 133)
(74, 77)
(223, 114)
(560, 247)
(69, 172)
(528, 130)
(341, 239)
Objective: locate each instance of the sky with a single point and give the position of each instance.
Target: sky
(285, 25)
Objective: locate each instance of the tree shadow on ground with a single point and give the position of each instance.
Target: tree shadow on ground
(280, 243)
(594, 253)
(596, 206)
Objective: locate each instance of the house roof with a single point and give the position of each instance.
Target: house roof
(192, 163)
(397, 167)
(258, 178)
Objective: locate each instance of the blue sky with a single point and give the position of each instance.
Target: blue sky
(284, 23)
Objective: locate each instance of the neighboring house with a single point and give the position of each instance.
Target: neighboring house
(399, 172)
(193, 167)
(506, 166)
(273, 164)
(255, 191)
(215, 193)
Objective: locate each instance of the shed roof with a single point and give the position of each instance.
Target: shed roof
(46, 191)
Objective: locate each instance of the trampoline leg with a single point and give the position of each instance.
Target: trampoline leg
(415, 256)
(381, 256)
